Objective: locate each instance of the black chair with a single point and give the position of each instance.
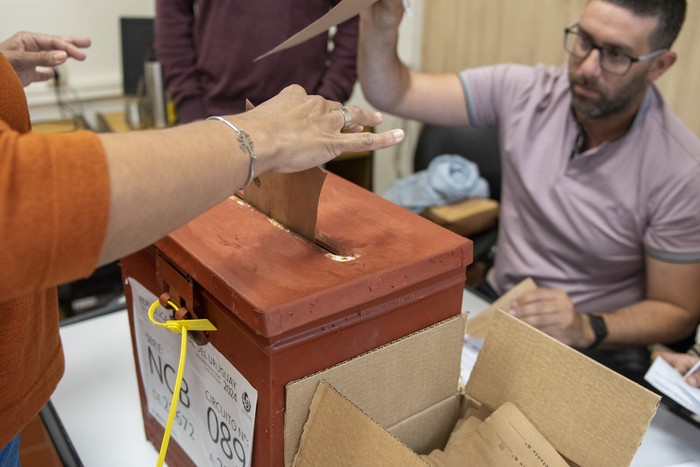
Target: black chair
(91, 293)
(479, 145)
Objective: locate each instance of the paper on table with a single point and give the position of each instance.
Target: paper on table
(669, 381)
(339, 13)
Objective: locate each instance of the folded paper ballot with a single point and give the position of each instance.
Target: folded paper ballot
(339, 13)
(478, 325)
(506, 438)
(289, 198)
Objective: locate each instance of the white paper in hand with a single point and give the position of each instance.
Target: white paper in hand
(669, 381)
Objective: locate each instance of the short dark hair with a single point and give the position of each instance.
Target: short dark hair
(671, 15)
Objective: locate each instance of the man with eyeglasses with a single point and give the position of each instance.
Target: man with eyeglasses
(600, 199)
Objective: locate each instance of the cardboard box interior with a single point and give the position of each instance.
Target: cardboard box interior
(392, 383)
(590, 414)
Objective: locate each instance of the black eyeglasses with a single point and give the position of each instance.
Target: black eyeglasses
(579, 44)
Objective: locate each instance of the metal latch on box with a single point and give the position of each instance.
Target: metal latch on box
(180, 289)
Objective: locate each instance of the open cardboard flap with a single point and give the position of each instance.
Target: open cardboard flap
(391, 383)
(337, 426)
(591, 415)
(505, 439)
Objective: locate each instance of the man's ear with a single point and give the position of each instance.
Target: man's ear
(662, 63)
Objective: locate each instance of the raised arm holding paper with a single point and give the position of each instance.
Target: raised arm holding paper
(600, 201)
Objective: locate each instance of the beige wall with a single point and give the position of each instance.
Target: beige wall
(459, 34)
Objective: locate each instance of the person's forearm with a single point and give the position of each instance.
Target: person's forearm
(161, 179)
(384, 78)
(647, 322)
(391, 86)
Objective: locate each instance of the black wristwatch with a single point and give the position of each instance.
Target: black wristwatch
(600, 330)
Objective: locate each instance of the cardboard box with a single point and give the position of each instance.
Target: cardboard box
(590, 414)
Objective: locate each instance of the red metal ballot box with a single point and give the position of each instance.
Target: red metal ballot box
(286, 307)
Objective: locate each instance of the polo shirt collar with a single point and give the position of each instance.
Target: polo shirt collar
(638, 118)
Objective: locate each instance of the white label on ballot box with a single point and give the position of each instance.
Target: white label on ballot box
(216, 413)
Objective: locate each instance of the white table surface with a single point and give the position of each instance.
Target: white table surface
(98, 400)
(98, 403)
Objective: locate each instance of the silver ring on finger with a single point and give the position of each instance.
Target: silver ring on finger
(347, 118)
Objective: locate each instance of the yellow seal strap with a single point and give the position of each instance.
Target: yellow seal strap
(179, 326)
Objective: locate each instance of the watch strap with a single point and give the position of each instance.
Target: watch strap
(600, 330)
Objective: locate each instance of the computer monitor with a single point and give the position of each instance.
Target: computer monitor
(137, 46)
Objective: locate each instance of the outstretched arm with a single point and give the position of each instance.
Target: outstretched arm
(391, 86)
(160, 179)
(90, 198)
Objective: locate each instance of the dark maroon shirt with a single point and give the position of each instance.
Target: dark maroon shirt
(207, 47)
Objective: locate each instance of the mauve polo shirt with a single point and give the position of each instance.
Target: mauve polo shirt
(585, 224)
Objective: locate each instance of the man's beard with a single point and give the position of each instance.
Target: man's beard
(607, 105)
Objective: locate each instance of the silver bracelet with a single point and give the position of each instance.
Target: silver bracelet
(245, 143)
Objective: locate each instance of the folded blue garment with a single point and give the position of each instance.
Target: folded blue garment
(449, 178)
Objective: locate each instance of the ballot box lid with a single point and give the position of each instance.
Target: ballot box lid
(274, 280)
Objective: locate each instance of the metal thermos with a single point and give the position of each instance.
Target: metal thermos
(155, 92)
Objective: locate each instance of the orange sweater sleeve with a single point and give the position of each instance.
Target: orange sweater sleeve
(54, 198)
(54, 203)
